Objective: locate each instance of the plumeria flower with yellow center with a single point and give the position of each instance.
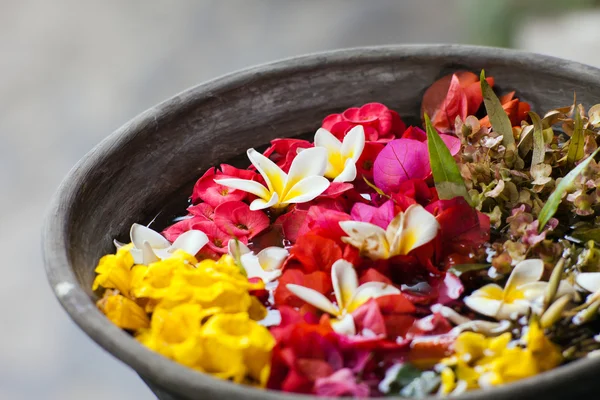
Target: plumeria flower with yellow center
(302, 183)
(348, 295)
(150, 246)
(341, 156)
(590, 281)
(265, 265)
(407, 231)
(522, 291)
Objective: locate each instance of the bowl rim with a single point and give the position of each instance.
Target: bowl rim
(176, 378)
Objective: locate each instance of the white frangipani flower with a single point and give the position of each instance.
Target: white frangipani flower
(589, 281)
(265, 265)
(150, 246)
(522, 291)
(407, 231)
(302, 183)
(341, 156)
(348, 295)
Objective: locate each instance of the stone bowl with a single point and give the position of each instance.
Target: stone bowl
(158, 155)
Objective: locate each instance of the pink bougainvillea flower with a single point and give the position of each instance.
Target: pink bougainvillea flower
(283, 151)
(379, 122)
(303, 183)
(380, 216)
(213, 193)
(202, 210)
(236, 219)
(348, 295)
(457, 94)
(404, 159)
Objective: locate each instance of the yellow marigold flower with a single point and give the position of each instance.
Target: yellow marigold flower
(480, 362)
(236, 347)
(123, 312)
(114, 271)
(257, 311)
(175, 333)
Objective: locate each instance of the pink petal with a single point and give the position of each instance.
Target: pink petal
(450, 289)
(341, 383)
(202, 210)
(399, 161)
(416, 133)
(380, 216)
(173, 231)
(236, 219)
(368, 316)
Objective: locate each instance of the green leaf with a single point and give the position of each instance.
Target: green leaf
(539, 147)
(555, 198)
(407, 381)
(575, 152)
(460, 269)
(446, 175)
(498, 117)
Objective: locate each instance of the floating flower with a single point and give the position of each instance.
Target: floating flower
(150, 246)
(237, 220)
(114, 271)
(348, 294)
(207, 190)
(341, 156)
(303, 183)
(123, 312)
(589, 281)
(522, 291)
(265, 265)
(407, 231)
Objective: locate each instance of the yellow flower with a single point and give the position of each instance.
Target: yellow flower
(114, 271)
(482, 362)
(235, 347)
(123, 312)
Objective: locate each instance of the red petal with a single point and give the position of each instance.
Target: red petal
(204, 210)
(236, 219)
(291, 223)
(318, 280)
(315, 253)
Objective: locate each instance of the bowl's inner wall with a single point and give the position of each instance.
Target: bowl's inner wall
(167, 152)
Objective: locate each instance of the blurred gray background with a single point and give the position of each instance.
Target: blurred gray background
(72, 71)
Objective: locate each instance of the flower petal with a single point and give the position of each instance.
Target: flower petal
(370, 290)
(324, 138)
(246, 186)
(260, 204)
(590, 281)
(272, 258)
(524, 272)
(349, 172)
(306, 189)
(344, 281)
(420, 227)
(308, 163)
(313, 297)
(140, 234)
(483, 305)
(253, 268)
(236, 249)
(191, 242)
(354, 143)
(366, 237)
(344, 325)
(148, 256)
(273, 175)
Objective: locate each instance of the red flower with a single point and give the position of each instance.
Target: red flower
(380, 123)
(202, 210)
(318, 280)
(218, 239)
(314, 253)
(207, 190)
(457, 94)
(414, 191)
(364, 165)
(516, 110)
(283, 151)
(236, 219)
(323, 222)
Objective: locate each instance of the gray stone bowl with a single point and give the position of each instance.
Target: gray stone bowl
(130, 175)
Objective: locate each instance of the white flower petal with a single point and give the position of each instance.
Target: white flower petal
(368, 238)
(514, 309)
(236, 249)
(590, 281)
(118, 244)
(138, 256)
(420, 227)
(314, 298)
(308, 163)
(393, 232)
(306, 190)
(272, 258)
(140, 234)
(251, 264)
(370, 290)
(344, 325)
(483, 305)
(344, 281)
(533, 290)
(349, 172)
(245, 185)
(354, 143)
(324, 138)
(191, 242)
(148, 256)
(273, 175)
(524, 272)
(488, 328)
(260, 204)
